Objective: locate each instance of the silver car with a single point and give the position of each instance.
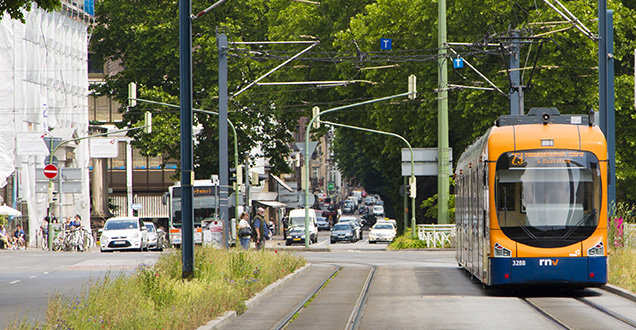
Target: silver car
(156, 238)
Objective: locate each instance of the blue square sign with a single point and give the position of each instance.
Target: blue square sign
(385, 44)
(458, 63)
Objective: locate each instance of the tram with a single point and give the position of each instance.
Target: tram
(531, 202)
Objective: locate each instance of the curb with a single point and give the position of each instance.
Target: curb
(619, 291)
(229, 316)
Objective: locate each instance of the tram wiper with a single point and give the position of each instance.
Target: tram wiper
(524, 228)
(578, 224)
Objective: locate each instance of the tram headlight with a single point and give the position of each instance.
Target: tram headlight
(598, 250)
(502, 252)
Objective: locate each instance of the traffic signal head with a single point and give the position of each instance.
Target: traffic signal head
(135, 213)
(132, 94)
(148, 122)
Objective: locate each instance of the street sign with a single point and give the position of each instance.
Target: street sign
(50, 171)
(458, 63)
(386, 44)
(331, 186)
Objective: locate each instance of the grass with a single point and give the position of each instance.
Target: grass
(156, 297)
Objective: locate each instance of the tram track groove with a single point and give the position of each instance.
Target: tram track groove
(545, 314)
(354, 318)
(284, 322)
(607, 311)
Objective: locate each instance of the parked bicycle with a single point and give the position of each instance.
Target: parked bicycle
(74, 239)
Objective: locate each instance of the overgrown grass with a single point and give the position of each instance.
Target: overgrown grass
(622, 247)
(158, 298)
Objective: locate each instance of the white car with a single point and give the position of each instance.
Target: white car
(382, 232)
(123, 233)
(378, 210)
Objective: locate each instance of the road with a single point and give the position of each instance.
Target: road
(28, 277)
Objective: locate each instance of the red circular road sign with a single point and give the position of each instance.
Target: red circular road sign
(50, 171)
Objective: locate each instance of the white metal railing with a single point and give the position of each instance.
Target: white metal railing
(436, 235)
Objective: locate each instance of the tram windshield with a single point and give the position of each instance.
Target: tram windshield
(548, 198)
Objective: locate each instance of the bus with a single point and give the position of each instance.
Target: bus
(205, 209)
(531, 202)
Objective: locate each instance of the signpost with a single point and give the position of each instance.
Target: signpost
(50, 171)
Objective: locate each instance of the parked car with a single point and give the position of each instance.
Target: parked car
(369, 200)
(382, 232)
(322, 223)
(156, 238)
(123, 233)
(344, 231)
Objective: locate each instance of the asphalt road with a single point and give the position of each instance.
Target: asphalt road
(27, 278)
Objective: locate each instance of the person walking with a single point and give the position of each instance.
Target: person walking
(261, 228)
(245, 231)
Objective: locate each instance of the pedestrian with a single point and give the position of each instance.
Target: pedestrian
(262, 231)
(245, 231)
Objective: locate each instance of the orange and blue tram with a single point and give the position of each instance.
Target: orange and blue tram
(531, 202)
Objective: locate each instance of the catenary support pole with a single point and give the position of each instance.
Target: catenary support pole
(185, 114)
(442, 119)
(223, 149)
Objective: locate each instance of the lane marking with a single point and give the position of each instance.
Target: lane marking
(14, 282)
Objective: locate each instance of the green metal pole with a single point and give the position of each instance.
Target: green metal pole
(307, 150)
(442, 120)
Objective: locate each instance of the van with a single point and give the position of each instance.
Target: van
(296, 220)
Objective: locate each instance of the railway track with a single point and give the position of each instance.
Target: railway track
(341, 297)
(591, 308)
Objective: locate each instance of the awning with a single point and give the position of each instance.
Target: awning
(281, 182)
(273, 204)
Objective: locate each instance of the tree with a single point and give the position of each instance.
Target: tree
(16, 8)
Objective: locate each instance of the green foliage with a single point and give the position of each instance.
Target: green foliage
(430, 207)
(566, 76)
(406, 241)
(16, 8)
(156, 297)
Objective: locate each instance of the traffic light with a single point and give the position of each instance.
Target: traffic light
(148, 122)
(315, 111)
(132, 94)
(135, 213)
(412, 87)
(239, 175)
(413, 187)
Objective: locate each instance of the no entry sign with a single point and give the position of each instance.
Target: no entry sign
(50, 171)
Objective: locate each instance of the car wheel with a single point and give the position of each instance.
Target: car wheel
(353, 239)
(287, 243)
(332, 241)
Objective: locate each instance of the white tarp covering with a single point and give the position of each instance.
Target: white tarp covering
(44, 88)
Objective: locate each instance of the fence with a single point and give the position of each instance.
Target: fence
(437, 235)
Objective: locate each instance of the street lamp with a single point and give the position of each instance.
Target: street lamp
(412, 91)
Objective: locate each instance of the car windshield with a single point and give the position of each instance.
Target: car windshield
(297, 221)
(341, 226)
(121, 224)
(383, 226)
(151, 227)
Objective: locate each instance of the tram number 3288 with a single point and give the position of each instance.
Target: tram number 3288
(518, 263)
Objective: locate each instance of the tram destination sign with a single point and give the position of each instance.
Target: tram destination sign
(546, 158)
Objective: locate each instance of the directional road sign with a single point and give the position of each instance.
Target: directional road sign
(50, 171)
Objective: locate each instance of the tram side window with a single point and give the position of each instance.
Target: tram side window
(506, 197)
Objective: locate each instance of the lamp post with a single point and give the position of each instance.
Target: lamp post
(413, 92)
(412, 179)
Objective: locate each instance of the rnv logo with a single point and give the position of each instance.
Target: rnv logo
(548, 262)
